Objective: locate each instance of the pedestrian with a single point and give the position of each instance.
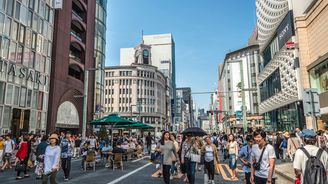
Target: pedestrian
(283, 146)
(22, 156)
(2, 146)
(182, 165)
(40, 152)
(245, 156)
(66, 155)
(263, 160)
(321, 140)
(292, 145)
(306, 157)
(233, 151)
(149, 140)
(51, 160)
(77, 148)
(174, 170)
(9, 147)
(189, 148)
(167, 149)
(298, 133)
(211, 159)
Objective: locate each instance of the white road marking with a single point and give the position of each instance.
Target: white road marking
(141, 159)
(129, 174)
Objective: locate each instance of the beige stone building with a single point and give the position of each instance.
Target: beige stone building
(312, 30)
(137, 91)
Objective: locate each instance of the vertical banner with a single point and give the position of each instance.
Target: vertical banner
(58, 4)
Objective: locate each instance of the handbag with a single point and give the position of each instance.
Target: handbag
(257, 165)
(195, 157)
(20, 166)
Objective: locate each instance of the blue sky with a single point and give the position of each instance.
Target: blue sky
(203, 31)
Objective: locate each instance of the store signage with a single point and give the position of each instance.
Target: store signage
(286, 29)
(22, 72)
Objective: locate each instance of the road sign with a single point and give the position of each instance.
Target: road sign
(311, 103)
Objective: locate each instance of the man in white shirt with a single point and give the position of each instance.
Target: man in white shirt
(264, 172)
(9, 147)
(299, 164)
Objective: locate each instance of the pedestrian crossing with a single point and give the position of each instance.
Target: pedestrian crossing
(222, 169)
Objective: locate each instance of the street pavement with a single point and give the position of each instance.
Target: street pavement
(134, 172)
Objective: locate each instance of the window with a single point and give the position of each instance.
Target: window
(29, 98)
(17, 11)
(9, 94)
(12, 51)
(19, 56)
(21, 33)
(7, 26)
(22, 97)
(2, 93)
(10, 7)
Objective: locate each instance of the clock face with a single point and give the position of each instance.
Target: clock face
(145, 53)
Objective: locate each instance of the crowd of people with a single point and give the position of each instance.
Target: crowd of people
(47, 154)
(258, 151)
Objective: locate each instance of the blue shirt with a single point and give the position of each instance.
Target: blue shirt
(245, 154)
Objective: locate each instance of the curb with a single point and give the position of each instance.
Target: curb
(285, 176)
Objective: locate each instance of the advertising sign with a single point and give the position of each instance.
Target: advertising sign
(286, 29)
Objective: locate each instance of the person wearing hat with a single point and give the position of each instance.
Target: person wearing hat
(283, 145)
(51, 160)
(299, 164)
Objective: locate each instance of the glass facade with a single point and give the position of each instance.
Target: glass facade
(286, 118)
(270, 86)
(100, 50)
(26, 29)
(319, 77)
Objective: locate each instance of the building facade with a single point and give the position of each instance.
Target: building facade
(26, 29)
(99, 54)
(312, 30)
(137, 91)
(163, 57)
(238, 88)
(184, 116)
(73, 54)
(279, 72)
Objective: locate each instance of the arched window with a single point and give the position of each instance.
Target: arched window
(145, 55)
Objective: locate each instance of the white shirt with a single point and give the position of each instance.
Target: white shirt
(300, 158)
(51, 158)
(268, 154)
(9, 146)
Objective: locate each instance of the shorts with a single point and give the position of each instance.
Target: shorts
(232, 161)
(7, 157)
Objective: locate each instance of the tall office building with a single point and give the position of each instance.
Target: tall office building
(26, 29)
(73, 54)
(99, 54)
(238, 76)
(279, 73)
(162, 48)
(137, 91)
(184, 116)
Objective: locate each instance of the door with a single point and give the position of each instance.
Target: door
(20, 122)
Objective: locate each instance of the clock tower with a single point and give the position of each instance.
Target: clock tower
(142, 54)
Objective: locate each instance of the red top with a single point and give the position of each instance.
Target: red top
(22, 152)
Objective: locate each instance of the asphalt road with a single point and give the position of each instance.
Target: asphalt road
(135, 172)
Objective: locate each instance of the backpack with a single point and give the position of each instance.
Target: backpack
(315, 172)
(215, 141)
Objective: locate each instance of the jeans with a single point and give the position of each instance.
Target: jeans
(209, 167)
(149, 148)
(173, 167)
(66, 165)
(191, 170)
(166, 173)
(258, 180)
(52, 178)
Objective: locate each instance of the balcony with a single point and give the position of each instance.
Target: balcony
(77, 36)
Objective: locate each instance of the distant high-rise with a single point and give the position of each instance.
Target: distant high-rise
(162, 48)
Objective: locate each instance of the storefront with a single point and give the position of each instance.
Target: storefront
(319, 79)
(285, 118)
(23, 99)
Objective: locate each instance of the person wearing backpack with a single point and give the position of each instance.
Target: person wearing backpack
(311, 163)
(66, 155)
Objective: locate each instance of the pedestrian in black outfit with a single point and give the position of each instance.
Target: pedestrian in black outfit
(148, 142)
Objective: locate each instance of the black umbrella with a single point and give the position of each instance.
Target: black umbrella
(194, 131)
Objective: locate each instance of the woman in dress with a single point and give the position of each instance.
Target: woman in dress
(233, 151)
(51, 160)
(22, 157)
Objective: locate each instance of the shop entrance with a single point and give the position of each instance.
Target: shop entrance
(20, 122)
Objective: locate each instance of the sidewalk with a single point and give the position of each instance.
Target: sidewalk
(286, 170)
